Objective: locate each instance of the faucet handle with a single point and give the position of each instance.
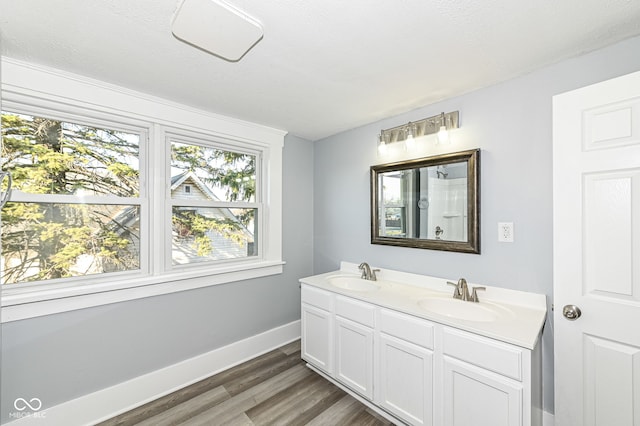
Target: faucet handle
(474, 293)
(373, 274)
(457, 294)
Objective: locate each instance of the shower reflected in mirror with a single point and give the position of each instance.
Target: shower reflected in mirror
(429, 203)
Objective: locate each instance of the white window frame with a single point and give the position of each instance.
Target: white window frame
(38, 90)
(190, 138)
(129, 126)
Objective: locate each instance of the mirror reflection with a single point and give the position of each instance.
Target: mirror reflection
(427, 203)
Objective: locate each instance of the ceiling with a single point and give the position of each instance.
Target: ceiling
(323, 66)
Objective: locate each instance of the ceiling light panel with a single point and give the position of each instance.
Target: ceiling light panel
(216, 27)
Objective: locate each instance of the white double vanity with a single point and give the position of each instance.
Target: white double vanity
(403, 345)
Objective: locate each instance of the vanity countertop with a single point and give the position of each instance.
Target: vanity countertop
(517, 317)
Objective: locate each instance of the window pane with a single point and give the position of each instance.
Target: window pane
(47, 156)
(42, 241)
(205, 234)
(211, 174)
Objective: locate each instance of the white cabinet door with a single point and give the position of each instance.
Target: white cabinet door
(473, 396)
(317, 337)
(354, 356)
(405, 384)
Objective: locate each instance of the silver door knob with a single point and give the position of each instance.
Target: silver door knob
(571, 312)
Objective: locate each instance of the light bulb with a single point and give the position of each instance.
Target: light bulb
(382, 146)
(410, 142)
(409, 139)
(443, 134)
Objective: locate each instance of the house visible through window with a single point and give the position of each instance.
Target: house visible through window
(219, 219)
(75, 208)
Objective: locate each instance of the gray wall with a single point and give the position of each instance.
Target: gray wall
(60, 357)
(511, 123)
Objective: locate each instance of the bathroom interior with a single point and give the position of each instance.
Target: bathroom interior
(318, 106)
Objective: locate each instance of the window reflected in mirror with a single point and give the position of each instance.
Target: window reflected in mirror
(427, 203)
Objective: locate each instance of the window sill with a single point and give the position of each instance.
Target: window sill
(19, 305)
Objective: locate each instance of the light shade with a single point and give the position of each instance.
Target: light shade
(216, 27)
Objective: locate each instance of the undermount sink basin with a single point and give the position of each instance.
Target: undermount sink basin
(353, 283)
(470, 311)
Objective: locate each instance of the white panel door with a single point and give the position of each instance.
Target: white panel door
(596, 220)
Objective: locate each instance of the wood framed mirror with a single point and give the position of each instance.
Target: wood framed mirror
(429, 203)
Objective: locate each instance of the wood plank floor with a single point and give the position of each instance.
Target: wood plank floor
(273, 389)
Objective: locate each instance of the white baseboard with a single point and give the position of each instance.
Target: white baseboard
(548, 419)
(106, 403)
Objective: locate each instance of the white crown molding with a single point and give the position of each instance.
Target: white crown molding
(45, 81)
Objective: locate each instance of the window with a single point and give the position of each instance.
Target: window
(100, 211)
(218, 220)
(75, 209)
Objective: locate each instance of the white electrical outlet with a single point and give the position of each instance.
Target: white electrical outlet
(505, 232)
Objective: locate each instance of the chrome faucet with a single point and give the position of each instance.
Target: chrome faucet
(461, 291)
(367, 272)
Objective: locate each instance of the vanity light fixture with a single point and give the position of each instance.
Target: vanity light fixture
(407, 133)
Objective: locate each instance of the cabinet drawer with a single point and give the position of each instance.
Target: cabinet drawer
(355, 310)
(316, 297)
(487, 353)
(407, 327)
